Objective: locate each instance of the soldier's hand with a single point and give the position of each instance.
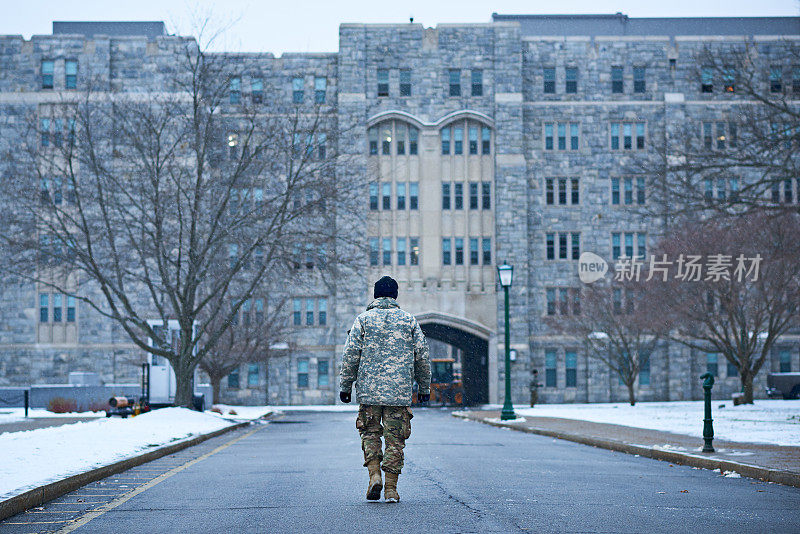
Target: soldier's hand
(423, 397)
(344, 396)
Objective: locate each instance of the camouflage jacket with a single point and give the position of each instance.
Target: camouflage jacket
(384, 353)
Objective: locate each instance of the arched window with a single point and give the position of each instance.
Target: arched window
(466, 137)
(393, 137)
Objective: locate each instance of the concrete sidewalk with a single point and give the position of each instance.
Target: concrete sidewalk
(773, 463)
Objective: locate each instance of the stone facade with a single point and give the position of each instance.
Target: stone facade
(397, 78)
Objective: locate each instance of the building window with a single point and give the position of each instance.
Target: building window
(302, 373)
(445, 141)
(775, 79)
(47, 73)
(458, 195)
(459, 251)
(571, 80)
(473, 196)
(235, 90)
(400, 137)
(373, 196)
(712, 363)
(373, 251)
(446, 196)
(252, 375)
(386, 140)
(233, 379)
(257, 90)
(414, 250)
(44, 132)
(486, 195)
(615, 191)
(401, 251)
(486, 137)
(71, 74)
(575, 243)
(297, 312)
(729, 79)
(320, 89)
(473, 140)
(44, 307)
(785, 361)
(639, 82)
(640, 190)
(550, 294)
(562, 128)
(458, 140)
(563, 194)
(627, 129)
(413, 195)
(571, 364)
(550, 368)
(57, 307)
(387, 251)
(383, 82)
(617, 80)
(574, 191)
(477, 82)
(259, 311)
(323, 374)
(70, 309)
(401, 196)
(473, 251)
(322, 311)
(550, 246)
(549, 76)
(487, 250)
(562, 245)
(387, 196)
(297, 90)
(732, 371)
(309, 312)
(644, 372)
(413, 135)
(405, 82)
(446, 251)
(796, 80)
(373, 142)
(706, 80)
(454, 77)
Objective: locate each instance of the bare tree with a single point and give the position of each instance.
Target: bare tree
(747, 297)
(173, 202)
(613, 320)
(737, 159)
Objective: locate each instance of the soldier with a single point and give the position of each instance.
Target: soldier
(384, 353)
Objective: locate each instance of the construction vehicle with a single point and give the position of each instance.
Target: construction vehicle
(447, 389)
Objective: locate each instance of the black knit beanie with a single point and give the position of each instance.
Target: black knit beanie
(385, 287)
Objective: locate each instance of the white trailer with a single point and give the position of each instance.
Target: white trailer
(158, 380)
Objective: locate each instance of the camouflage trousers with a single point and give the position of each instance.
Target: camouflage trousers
(396, 428)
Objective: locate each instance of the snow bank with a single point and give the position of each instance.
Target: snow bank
(36, 457)
(243, 413)
(767, 421)
(12, 415)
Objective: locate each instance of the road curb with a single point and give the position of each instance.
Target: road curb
(53, 490)
(778, 476)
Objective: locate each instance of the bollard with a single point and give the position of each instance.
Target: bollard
(708, 427)
(27, 393)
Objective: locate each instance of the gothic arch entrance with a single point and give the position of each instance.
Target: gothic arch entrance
(473, 340)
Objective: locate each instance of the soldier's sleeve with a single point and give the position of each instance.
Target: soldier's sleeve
(422, 360)
(351, 358)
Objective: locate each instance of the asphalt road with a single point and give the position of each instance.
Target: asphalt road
(303, 473)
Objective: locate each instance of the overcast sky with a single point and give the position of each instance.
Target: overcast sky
(312, 26)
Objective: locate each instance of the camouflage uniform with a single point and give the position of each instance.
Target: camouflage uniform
(385, 353)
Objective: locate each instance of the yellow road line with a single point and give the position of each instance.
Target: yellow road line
(144, 487)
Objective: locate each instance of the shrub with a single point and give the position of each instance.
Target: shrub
(232, 412)
(99, 406)
(215, 409)
(62, 405)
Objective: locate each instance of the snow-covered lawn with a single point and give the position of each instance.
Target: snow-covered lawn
(12, 415)
(35, 457)
(766, 421)
(241, 413)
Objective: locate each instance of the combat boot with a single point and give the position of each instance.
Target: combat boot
(375, 482)
(390, 491)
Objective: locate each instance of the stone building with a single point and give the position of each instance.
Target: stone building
(479, 144)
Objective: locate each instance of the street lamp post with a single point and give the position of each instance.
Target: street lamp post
(506, 272)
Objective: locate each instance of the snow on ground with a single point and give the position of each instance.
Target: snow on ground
(36, 457)
(12, 415)
(767, 421)
(352, 407)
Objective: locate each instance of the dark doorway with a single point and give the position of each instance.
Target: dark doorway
(475, 364)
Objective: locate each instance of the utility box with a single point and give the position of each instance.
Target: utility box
(158, 379)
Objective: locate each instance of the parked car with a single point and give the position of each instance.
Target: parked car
(786, 385)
